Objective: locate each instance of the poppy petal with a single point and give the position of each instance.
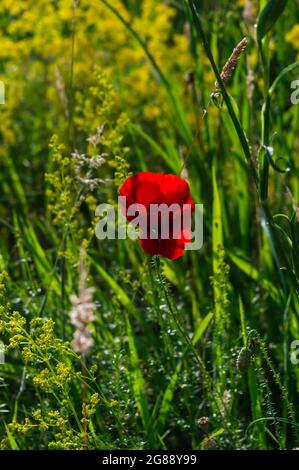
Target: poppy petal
(172, 249)
(174, 189)
(151, 247)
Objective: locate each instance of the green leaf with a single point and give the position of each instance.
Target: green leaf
(217, 433)
(137, 381)
(243, 321)
(168, 394)
(217, 219)
(123, 298)
(11, 439)
(202, 328)
(247, 268)
(270, 14)
(284, 72)
(173, 163)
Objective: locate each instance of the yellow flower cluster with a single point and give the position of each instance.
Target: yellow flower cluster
(36, 44)
(73, 178)
(292, 37)
(50, 365)
(57, 377)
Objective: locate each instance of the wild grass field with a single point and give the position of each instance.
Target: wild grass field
(106, 346)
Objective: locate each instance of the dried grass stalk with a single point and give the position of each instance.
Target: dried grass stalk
(230, 65)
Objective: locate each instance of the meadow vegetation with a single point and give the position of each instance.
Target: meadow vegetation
(193, 353)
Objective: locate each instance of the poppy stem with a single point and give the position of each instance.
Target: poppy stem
(206, 379)
(156, 296)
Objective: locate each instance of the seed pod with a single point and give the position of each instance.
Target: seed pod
(253, 344)
(269, 16)
(204, 424)
(209, 443)
(244, 360)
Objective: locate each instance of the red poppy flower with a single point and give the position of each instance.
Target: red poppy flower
(151, 190)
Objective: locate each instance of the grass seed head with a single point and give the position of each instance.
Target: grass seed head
(231, 64)
(244, 360)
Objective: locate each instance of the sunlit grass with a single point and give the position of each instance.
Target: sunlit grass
(207, 336)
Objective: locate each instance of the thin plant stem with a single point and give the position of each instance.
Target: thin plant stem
(207, 381)
(84, 403)
(158, 310)
(71, 79)
(239, 130)
(264, 162)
